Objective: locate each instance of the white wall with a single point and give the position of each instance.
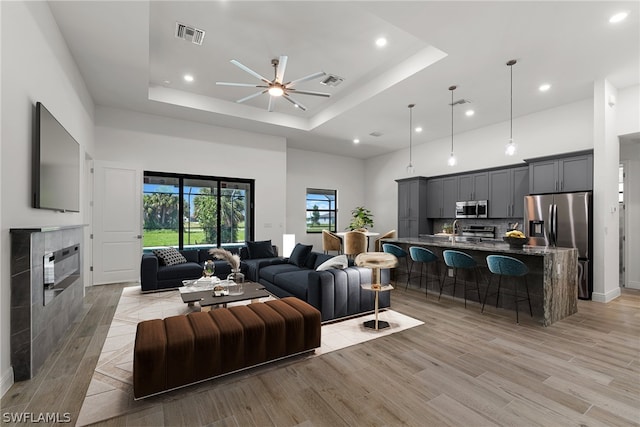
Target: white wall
(307, 169)
(171, 145)
(36, 66)
(628, 111)
(562, 129)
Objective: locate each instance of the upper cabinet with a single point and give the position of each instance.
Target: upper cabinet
(574, 173)
(473, 186)
(412, 204)
(507, 188)
(442, 195)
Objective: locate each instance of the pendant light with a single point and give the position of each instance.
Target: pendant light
(510, 148)
(410, 169)
(452, 158)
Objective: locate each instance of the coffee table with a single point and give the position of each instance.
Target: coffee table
(252, 291)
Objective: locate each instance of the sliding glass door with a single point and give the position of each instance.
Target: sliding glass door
(212, 212)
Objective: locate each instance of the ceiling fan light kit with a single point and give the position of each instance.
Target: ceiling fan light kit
(277, 88)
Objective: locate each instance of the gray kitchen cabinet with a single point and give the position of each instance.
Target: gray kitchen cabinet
(507, 188)
(434, 198)
(574, 173)
(412, 207)
(449, 196)
(442, 195)
(474, 186)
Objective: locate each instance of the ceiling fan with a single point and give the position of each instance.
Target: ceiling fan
(276, 88)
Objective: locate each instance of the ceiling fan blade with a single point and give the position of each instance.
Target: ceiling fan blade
(282, 65)
(272, 102)
(294, 102)
(309, 92)
(239, 84)
(246, 98)
(304, 79)
(250, 71)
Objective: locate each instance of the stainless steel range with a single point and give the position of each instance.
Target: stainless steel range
(479, 231)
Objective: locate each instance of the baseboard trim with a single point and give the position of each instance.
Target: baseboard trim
(6, 382)
(606, 297)
(633, 284)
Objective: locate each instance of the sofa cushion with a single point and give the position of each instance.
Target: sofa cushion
(188, 270)
(339, 262)
(270, 272)
(319, 259)
(261, 249)
(299, 254)
(169, 256)
(294, 282)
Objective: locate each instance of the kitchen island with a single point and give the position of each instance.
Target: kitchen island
(552, 278)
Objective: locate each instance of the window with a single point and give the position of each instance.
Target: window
(187, 211)
(321, 210)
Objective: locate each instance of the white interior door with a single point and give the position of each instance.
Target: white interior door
(117, 223)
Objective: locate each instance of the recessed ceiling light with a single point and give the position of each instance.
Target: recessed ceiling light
(469, 113)
(188, 78)
(418, 129)
(381, 42)
(356, 141)
(618, 17)
(544, 87)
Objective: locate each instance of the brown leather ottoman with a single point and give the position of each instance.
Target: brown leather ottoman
(181, 350)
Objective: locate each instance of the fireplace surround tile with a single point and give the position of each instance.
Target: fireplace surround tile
(36, 329)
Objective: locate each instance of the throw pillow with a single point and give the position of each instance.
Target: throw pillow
(169, 256)
(299, 254)
(262, 249)
(339, 261)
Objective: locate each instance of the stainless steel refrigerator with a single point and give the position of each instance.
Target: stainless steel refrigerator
(563, 220)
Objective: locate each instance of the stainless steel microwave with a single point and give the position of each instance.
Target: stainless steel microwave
(472, 209)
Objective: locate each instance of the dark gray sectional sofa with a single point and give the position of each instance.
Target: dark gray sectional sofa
(336, 293)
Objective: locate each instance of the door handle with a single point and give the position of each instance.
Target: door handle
(138, 236)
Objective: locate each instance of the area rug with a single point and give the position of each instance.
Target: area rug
(110, 392)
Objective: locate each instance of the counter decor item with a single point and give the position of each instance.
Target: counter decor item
(516, 239)
(361, 218)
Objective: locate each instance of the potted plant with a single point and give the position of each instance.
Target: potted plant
(361, 218)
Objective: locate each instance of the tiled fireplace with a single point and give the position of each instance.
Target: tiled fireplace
(47, 292)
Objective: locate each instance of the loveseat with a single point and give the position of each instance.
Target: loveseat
(335, 292)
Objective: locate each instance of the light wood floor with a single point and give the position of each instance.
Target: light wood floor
(459, 368)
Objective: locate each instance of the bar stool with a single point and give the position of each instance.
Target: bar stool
(399, 253)
(459, 260)
(507, 266)
(424, 257)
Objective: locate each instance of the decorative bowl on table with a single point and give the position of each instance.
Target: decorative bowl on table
(516, 242)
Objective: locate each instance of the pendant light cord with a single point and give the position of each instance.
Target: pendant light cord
(411, 134)
(452, 119)
(511, 63)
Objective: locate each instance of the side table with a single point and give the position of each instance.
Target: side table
(376, 324)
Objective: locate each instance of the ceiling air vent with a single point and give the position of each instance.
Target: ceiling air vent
(331, 80)
(190, 34)
(461, 101)
(376, 134)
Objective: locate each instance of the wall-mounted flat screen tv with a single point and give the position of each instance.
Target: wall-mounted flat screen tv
(56, 165)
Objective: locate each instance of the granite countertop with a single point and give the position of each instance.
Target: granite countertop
(490, 245)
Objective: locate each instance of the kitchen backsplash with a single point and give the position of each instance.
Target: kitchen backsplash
(502, 225)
